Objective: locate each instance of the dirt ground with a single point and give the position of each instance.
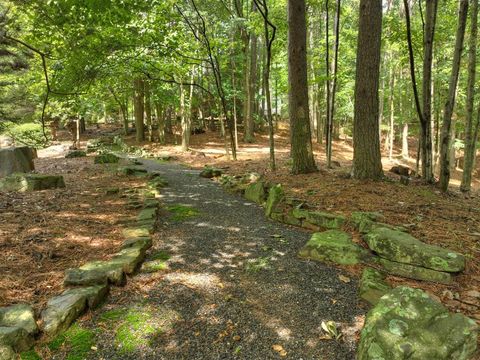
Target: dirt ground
(46, 232)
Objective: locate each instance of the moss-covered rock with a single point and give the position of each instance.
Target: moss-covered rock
(20, 315)
(7, 353)
(275, 197)
(106, 158)
(401, 247)
(210, 172)
(414, 272)
(363, 220)
(325, 220)
(60, 312)
(31, 182)
(96, 273)
(372, 285)
(94, 295)
(132, 171)
(334, 246)
(16, 160)
(149, 213)
(256, 192)
(16, 338)
(75, 154)
(143, 243)
(407, 324)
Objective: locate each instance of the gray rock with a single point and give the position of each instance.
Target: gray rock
(61, 311)
(407, 324)
(31, 182)
(256, 192)
(323, 220)
(15, 337)
(93, 295)
(7, 353)
(96, 273)
(149, 213)
(129, 259)
(275, 197)
(414, 272)
(21, 315)
(16, 160)
(143, 243)
(140, 231)
(403, 248)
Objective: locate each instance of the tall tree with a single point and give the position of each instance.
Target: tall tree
(300, 135)
(446, 144)
(471, 129)
(367, 162)
(139, 106)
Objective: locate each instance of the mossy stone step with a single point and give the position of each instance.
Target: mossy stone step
(256, 192)
(96, 273)
(372, 285)
(61, 311)
(129, 258)
(140, 231)
(367, 221)
(31, 182)
(143, 243)
(334, 246)
(149, 213)
(401, 247)
(414, 272)
(94, 295)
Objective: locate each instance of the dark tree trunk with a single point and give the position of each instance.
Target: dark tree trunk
(139, 109)
(367, 161)
(301, 141)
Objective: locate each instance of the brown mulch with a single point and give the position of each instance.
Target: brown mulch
(46, 232)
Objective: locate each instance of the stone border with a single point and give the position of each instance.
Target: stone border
(88, 285)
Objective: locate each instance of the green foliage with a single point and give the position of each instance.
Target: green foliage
(30, 355)
(77, 342)
(30, 134)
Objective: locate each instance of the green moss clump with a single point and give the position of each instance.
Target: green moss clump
(256, 265)
(30, 355)
(77, 340)
(182, 212)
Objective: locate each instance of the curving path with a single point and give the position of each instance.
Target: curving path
(235, 288)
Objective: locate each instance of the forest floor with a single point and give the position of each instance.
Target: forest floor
(44, 233)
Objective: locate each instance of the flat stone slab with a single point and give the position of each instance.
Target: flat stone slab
(414, 272)
(401, 247)
(31, 182)
(129, 259)
(407, 324)
(144, 243)
(132, 170)
(95, 273)
(334, 246)
(372, 285)
(61, 311)
(94, 295)
(367, 221)
(149, 213)
(321, 219)
(21, 315)
(140, 231)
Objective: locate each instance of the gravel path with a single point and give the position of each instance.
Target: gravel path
(235, 286)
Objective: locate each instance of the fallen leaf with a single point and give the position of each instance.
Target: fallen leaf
(236, 338)
(277, 347)
(343, 278)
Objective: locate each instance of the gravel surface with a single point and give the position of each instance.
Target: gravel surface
(235, 285)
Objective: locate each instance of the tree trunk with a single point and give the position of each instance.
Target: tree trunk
(139, 109)
(449, 105)
(391, 132)
(367, 161)
(148, 111)
(160, 123)
(249, 125)
(405, 141)
(470, 136)
(301, 140)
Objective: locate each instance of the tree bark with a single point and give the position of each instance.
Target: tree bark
(405, 141)
(367, 162)
(470, 136)
(300, 135)
(148, 111)
(160, 123)
(449, 105)
(139, 109)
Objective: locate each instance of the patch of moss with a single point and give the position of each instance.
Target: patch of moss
(256, 265)
(77, 340)
(111, 315)
(30, 355)
(182, 212)
(157, 262)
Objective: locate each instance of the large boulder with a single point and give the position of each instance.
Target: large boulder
(16, 160)
(31, 182)
(256, 192)
(334, 246)
(401, 247)
(407, 324)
